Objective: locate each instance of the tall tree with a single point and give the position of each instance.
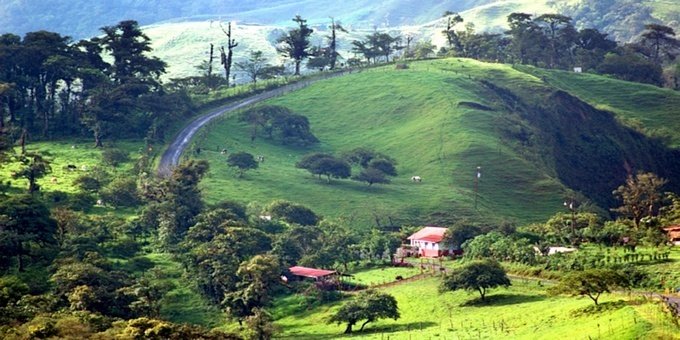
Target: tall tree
(255, 66)
(333, 42)
(560, 34)
(452, 38)
(35, 166)
(661, 41)
(128, 46)
(226, 57)
(295, 43)
(526, 37)
(26, 229)
(641, 196)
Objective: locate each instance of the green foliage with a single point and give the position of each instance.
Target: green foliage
(295, 43)
(259, 276)
(325, 164)
(497, 246)
(114, 157)
(26, 230)
(260, 325)
(368, 305)
(629, 66)
(371, 176)
(591, 283)
(641, 196)
(243, 161)
(293, 213)
(460, 233)
(476, 275)
(35, 166)
(121, 192)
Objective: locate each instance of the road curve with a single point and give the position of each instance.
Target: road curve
(172, 154)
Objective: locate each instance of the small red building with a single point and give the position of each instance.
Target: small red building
(673, 232)
(428, 242)
(312, 273)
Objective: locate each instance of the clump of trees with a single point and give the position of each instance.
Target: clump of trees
(325, 164)
(278, 123)
(374, 167)
(242, 161)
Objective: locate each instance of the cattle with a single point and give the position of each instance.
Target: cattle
(416, 179)
(399, 278)
(84, 168)
(53, 179)
(223, 152)
(71, 167)
(100, 202)
(260, 159)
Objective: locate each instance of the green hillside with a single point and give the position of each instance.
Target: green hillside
(440, 120)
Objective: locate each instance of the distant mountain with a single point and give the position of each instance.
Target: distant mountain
(80, 19)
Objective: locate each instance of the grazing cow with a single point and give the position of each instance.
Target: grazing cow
(71, 167)
(223, 152)
(73, 146)
(399, 278)
(53, 179)
(260, 159)
(84, 168)
(100, 202)
(416, 179)
(266, 217)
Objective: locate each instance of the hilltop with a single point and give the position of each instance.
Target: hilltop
(535, 142)
(623, 19)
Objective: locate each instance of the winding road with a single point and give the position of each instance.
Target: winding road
(172, 154)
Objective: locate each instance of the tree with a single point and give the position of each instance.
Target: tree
(386, 166)
(295, 43)
(591, 283)
(324, 164)
(333, 42)
(526, 37)
(560, 34)
(452, 38)
(227, 56)
(255, 66)
(368, 305)
(260, 325)
(128, 44)
(258, 277)
(641, 196)
(293, 213)
(632, 67)
(477, 275)
(34, 168)
(661, 42)
(371, 176)
(424, 49)
(26, 228)
(243, 161)
(459, 233)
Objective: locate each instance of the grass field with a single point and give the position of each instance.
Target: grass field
(523, 311)
(648, 107)
(413, 116)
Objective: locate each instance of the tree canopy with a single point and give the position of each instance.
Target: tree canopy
(369, 306)
(479, 275)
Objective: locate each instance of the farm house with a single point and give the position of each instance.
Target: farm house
(428, 242)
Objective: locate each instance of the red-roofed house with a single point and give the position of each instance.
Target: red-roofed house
(673, 232)
(428, 242)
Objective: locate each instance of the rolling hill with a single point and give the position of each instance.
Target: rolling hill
(537, 144)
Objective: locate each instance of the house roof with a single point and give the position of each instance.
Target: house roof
(429, 234)
(675, 227)
(310, 272)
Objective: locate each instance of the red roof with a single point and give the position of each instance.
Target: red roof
(672, 227)
(429, 234)
(310, 272)
(431, 238)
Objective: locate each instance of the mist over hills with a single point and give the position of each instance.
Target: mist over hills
(80, 19)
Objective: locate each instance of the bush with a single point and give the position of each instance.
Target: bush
(122, 192)
(87, 182)
(114, 157)
(81, 202)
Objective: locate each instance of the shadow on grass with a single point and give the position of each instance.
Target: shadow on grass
(502, 300)
(601, 308)
(382, 329)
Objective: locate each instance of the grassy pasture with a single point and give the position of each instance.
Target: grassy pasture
(415, 117)
(522, 311)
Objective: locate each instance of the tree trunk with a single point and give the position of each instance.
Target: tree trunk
(482, 292)
(364, 325)
(297, 67)
(348, 330)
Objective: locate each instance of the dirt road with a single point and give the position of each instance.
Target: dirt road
(172, 154)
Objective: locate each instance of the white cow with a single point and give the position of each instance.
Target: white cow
(416, 179)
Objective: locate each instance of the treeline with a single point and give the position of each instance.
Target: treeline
(103, 87)
(548, 41)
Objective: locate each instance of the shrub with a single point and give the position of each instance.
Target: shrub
(122, 192)
(114, 157)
